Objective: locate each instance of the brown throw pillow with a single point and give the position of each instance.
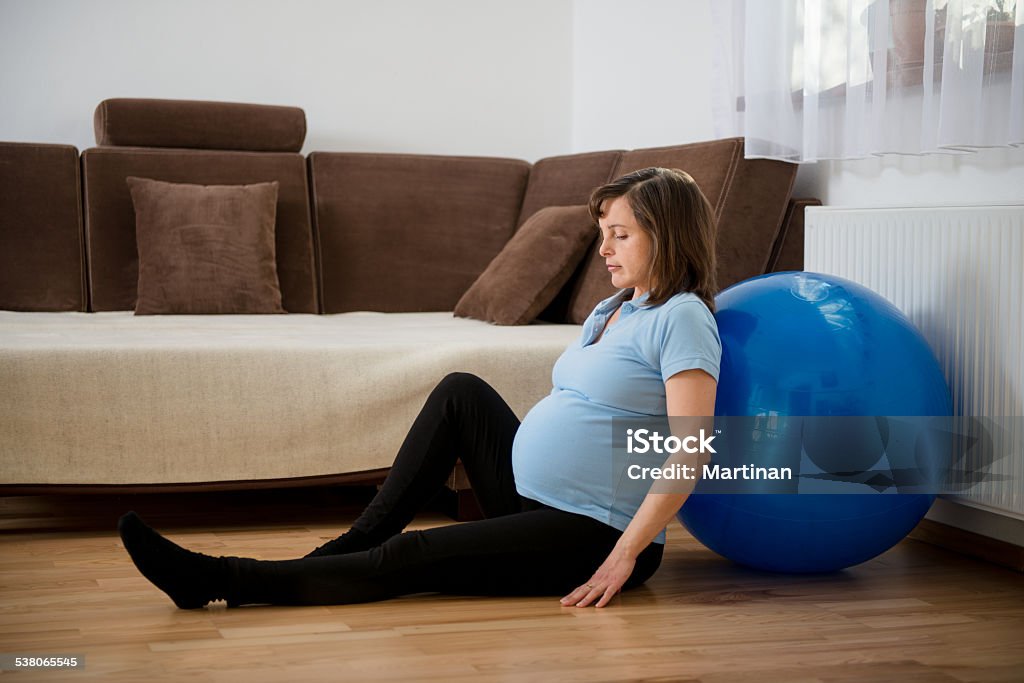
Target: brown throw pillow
(205, 248)
(525, 276)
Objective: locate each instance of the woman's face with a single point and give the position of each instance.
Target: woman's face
(625, 246)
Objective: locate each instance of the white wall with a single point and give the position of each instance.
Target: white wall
(526, 79)
(487, 77)
(641, 73)
(988, 176)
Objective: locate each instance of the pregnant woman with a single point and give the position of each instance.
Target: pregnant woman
(545, 486)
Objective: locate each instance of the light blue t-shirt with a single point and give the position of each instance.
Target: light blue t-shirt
(561, 455)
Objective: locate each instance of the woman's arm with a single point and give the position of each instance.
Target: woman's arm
(688, 393)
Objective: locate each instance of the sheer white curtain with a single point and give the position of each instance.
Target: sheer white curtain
(844, 79)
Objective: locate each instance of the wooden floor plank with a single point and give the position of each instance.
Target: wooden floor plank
(917, 613)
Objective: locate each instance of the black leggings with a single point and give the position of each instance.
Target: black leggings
(522, 547)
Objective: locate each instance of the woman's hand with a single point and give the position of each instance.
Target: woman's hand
(605, 583)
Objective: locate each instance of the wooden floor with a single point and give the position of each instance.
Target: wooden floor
(917, 613)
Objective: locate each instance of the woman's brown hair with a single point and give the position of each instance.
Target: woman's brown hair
(669, 206)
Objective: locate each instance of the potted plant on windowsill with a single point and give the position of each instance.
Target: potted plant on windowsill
(905, 45)
(999, 31)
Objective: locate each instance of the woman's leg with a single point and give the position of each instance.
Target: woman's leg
(538, 552)
(462, 418)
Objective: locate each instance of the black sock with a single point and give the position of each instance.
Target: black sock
(352, 541)
(190, 579)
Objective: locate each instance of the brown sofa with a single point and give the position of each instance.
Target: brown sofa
(373, 252)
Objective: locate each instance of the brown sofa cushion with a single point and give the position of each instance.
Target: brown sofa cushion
(110, 218)
(533, 266)
(750, 197)
(404, 232)
(788, 252)
(41, 254)
(205, 248)
(128, 122)
(566, 180)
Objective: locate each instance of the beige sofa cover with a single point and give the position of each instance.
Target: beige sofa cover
(111, 398)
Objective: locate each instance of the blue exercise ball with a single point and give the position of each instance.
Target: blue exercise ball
(797, 345)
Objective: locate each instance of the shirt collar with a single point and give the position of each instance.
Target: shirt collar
(604, 311)
(622, 297)
(635, 303)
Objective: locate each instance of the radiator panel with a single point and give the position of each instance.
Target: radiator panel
(956, 272)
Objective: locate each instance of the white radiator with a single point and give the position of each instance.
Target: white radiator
(958, 274)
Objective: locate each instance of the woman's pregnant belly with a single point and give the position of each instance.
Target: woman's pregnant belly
(562, 453)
